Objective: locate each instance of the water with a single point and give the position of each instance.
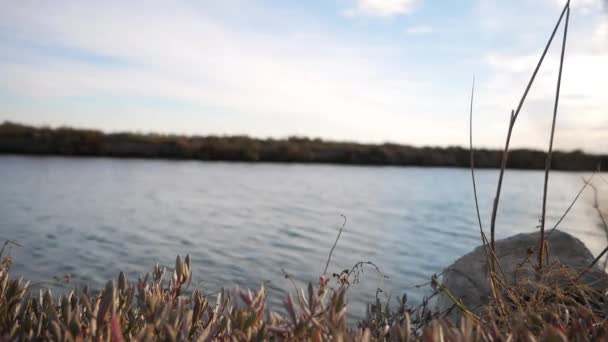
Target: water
(242, 224)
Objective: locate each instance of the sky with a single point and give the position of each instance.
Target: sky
(371, 71)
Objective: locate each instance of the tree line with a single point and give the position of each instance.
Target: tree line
(22, 139)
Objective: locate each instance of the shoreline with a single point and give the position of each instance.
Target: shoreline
(285, 163)
(17, 139)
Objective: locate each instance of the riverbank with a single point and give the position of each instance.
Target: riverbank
(22, 139)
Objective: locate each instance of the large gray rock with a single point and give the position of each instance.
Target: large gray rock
(467, 278)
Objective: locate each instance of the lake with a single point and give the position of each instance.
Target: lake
(243, 224)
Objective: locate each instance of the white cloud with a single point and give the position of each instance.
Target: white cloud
(520, 29)
(383, 8)
(581, 6)
(599, 38)
(231, 78)
(338, 89)
(583, 107)
(419, 30)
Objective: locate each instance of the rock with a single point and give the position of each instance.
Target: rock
(467, 278)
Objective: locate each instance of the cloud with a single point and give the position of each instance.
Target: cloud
(186, 68)
(516, 48)
(382, 8)
(273, 82)
(582, 6)
(419, 30)
(583, 105)
(599, 37)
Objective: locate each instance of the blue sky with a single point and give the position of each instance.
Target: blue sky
(357, 70)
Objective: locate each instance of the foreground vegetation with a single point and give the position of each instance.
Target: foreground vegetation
(21, 139)
(155, 308)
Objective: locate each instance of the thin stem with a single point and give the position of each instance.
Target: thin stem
(540, 62)
(550, 152)
(503, 166)
(7, 243)
(592, 264)
(571, 204)
(596, 206)
(514, 115)
(483, 238)
(335, 243)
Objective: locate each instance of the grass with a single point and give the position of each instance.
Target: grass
(156, 308)
(512, 119)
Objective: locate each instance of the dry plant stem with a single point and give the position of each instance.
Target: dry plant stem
(493, 259)
(484, 240)
(512, 120)
(592, 264)
(290, 278)
(503, 166)
(540, 62)
(335, 243)
(550, 151)
(604, 224)
(491, 256)
(596, 206)
(455, 301)
(572, 204)
(6, 243)
(359, 267)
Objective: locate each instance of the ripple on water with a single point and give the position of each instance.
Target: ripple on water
(243, 223)
(98, 239)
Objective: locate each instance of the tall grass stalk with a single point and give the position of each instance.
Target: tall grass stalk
(512, 120)
(490, 255)
(541, 251)
(484, 239)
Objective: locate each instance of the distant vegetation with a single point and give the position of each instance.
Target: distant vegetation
(22, 139)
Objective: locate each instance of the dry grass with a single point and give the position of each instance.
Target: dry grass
(155, 309)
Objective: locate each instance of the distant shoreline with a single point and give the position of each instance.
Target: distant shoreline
(29, 140)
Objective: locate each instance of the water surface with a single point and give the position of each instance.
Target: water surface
(242, 224)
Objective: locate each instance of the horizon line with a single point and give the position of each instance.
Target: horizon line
(282, 138)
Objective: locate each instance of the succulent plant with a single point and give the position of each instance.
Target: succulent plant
(156, 309)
